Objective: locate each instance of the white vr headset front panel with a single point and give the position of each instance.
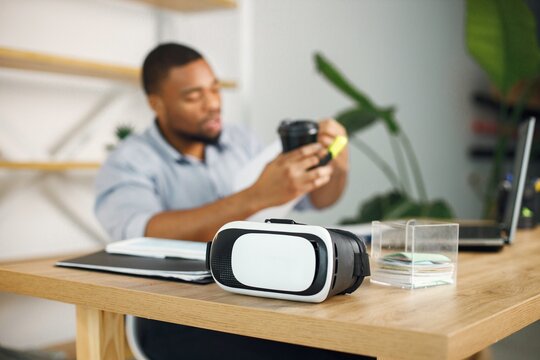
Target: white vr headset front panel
(276, 262)
(277, 247)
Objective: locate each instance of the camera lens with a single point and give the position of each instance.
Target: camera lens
(297, 133)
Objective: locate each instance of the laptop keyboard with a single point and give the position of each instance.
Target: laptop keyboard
(479, 232)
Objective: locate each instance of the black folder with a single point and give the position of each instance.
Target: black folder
(171, 268)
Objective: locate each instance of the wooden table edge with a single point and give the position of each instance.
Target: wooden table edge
(462, 344)
(289, 328)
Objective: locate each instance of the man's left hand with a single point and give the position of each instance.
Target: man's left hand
(329, 129)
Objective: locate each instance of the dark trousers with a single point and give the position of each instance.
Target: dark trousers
(165, 341)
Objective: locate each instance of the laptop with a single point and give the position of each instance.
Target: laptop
(487, 235)
(490, 236)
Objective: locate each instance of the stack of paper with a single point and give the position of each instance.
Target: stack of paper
(421, 270)
(176, 259)
(159, 248)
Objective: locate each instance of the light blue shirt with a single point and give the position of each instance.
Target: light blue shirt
(145, 175)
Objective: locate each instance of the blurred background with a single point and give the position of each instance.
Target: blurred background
(55, 128)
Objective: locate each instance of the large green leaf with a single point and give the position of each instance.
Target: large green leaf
(407, 208)
(438, 209)
(501, 36)
(332, 74)
(376, 207)
(396, 205)
(355, 120)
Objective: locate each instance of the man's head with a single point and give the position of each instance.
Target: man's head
(184, 93)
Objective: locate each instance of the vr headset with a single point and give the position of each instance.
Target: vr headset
(285, 260)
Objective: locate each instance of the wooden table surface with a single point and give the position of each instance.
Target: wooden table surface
(496, 295)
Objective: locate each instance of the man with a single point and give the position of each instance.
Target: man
(175, 180)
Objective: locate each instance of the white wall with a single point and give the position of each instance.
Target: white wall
(409, 54)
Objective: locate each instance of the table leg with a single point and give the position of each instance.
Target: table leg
(100, 334)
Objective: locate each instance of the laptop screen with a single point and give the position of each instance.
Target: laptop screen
(521, 163)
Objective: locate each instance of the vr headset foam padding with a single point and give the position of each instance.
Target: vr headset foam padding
(285, 260)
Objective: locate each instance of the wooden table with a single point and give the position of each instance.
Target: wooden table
(496, 295)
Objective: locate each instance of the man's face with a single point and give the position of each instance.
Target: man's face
(188, 103)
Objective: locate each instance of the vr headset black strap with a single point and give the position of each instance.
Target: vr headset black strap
(282, 221)
(361, 265)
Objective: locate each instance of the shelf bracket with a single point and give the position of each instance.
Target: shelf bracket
(67, 144)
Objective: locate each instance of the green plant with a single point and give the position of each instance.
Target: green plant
(399, 202)
(121, 132)
(501, 37)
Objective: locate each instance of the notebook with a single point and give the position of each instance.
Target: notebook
(173, 259)
(474, 235)
(159, 248)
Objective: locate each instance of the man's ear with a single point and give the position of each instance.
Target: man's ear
(156, 103)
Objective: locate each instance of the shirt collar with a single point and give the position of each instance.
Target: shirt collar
(163, 145)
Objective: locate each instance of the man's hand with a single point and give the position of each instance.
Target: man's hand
(287, 176)
(329, 129)
(332, 190)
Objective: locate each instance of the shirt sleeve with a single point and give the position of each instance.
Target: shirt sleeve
(126, 200)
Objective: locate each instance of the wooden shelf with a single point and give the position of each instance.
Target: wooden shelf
(28, 60)
(49, 166)
(192, 5)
